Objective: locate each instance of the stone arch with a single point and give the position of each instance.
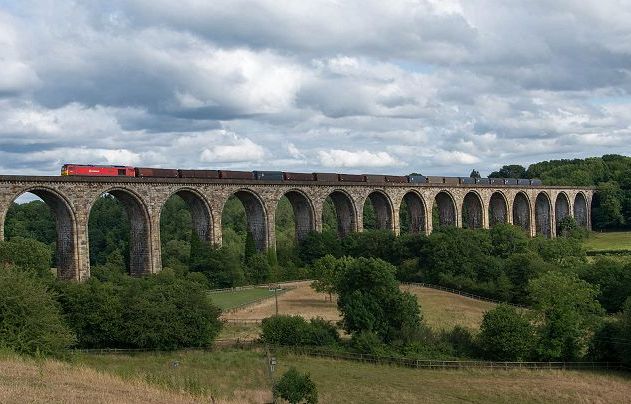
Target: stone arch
(446, 209)
(561, 209)
(498, 209)
(140, 256)
(521, 211)
(255, 216)
(383, 209)
(304, 216)
(543, 216)
(472, 212)
(201, 213)
(580, 210)
(66, 248)
(345, 212)
(416, 211)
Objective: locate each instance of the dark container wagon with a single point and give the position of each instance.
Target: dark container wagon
(467, 180)
(298, 176)
(268, 175)
(484, 181)
(435, 180)
(451, 180)
(497, 181)
(374, 178)
(510, 181)
(536, 181)
(417, 179)
(399, 179)
(326, 177)
(523, 181)
(236, 175)
(210, 174)
(352, 178)
(156, 172)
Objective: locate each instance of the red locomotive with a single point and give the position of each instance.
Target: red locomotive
(101, 171)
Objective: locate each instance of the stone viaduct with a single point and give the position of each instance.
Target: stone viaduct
(537, 209)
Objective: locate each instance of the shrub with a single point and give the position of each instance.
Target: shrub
(30, 321)
(506, 335)
(367, 342)
(157, 312)
(28, 254)
(283, 330)
(296, 387)
(295, 330)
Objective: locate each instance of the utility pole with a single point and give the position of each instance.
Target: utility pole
(276, 297)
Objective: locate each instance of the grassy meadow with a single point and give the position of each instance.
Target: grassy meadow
(608, 241)
(240, 376)
(235, 298)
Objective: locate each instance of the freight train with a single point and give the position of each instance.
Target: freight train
(145, 172)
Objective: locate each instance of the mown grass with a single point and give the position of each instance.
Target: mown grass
(232, 299)
(232, 374)
(608, 241)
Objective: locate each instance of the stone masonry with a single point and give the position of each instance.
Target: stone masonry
(537, 209)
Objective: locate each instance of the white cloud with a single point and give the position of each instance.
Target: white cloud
(241, 150)
(361, 158)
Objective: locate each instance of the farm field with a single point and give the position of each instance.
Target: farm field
(608, 241)
(231, 299)
(207, 374)
(441, 310)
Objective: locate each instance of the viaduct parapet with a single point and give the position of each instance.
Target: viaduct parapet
(537, 209)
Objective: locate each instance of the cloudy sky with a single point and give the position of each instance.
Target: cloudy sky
(434, 86)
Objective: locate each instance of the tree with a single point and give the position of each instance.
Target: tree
(507, 240)
(566, 313)
(510, 171)
(475, 174)
(30, 321)
(506, 334)
(370, 300)
(325, 272)
(28, 254)
(257, 269)
(296, 387)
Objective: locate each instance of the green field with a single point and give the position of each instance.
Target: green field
(608, 241)
(221, 373)
(236, 298)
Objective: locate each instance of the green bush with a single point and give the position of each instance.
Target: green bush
(296, 387)
(28, 254)
(30, 321)
(506, 335)
(367, 342)
(157, 312)
(295, 331)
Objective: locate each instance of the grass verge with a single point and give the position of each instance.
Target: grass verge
(231, 299)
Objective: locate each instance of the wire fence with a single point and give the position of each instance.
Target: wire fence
(462, 293)
(454, 364)
(242, 306)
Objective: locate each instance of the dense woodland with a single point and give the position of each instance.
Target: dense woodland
(567, 293)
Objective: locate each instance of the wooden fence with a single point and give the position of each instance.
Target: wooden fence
(453, 364)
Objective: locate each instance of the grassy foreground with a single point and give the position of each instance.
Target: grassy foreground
(240, 376)
(608, 241)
